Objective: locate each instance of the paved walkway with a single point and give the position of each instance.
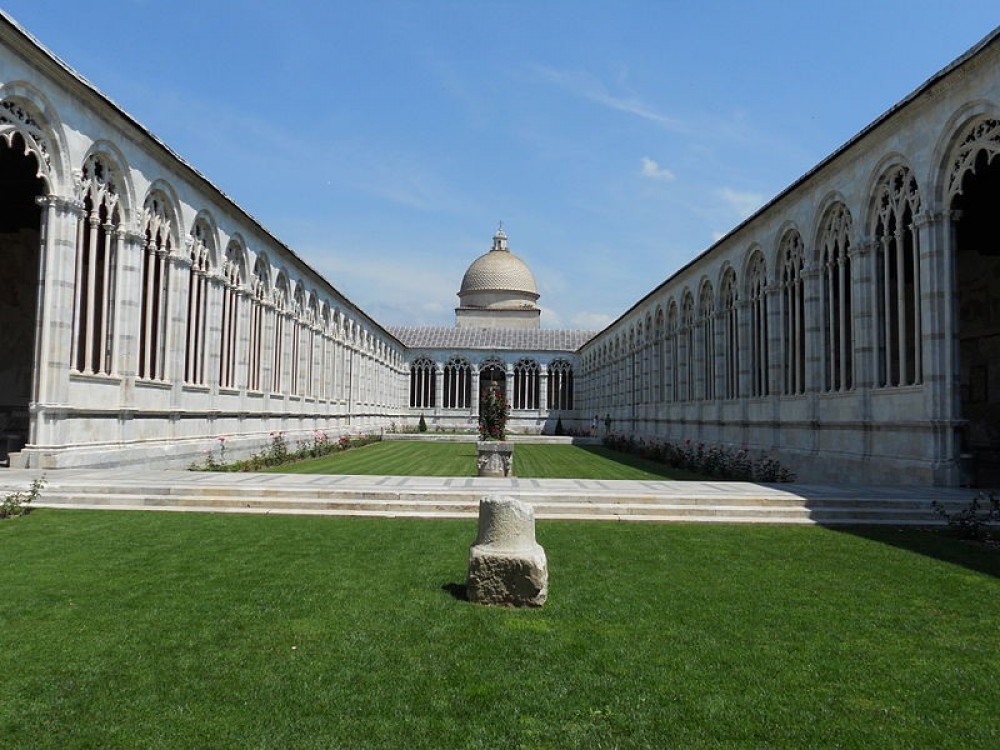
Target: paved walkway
(457, 497)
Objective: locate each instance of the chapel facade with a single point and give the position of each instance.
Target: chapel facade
(850, 328)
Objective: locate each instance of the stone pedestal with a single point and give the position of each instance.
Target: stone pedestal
(506, 565)
(495, 458)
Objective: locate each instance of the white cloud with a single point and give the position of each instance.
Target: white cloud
(742, 202)
(652, 169)
(591, 88)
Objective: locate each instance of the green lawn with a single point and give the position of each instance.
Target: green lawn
(431, 459)
(163, 630)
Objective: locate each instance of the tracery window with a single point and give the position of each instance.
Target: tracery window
(688, 349)
(232, 280)
(706, 334)
(897, 280)
(309, 347)
(259, 304)
(835, 301)
(423, 384)
(673, 354)
(198, 275)
(526, 378)
(757, 328)
(98, 235)
(158, 244)
(457, 384)
(296, 326)
(560, 386)
(280, 301)
(793, 306)
(658, 356)
(326, 355)
(730, 336)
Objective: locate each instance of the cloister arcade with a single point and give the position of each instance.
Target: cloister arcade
(857, 335)
(850, 328)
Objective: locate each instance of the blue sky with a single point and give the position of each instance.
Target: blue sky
(384, 141)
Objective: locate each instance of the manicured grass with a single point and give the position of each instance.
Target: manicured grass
(430, 459)
(162, 630)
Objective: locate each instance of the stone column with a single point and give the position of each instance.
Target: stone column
(54, 312)
(438, 387)
(474, 396)
(506, 565)
(543, 389)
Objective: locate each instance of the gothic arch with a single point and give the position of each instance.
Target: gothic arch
(113, 160)
(42, 122)
(955, 132)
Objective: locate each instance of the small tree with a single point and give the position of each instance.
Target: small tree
(493, 413)
(422, 424)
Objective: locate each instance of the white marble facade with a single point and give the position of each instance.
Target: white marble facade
(851, 327)
(150, 316)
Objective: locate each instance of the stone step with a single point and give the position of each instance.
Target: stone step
(765, 509)
(429, 497)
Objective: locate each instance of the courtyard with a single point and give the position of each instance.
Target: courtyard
(162, 630)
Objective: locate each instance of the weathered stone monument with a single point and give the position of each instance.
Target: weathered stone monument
(495, 458)
(506, 565)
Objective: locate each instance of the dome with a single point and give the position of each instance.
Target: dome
(498, 270)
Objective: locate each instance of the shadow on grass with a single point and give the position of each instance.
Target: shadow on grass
(939, 544)
(645, 464)
(457, 591)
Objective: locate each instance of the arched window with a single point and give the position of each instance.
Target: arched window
(280, 299)
(297, 326)
(309, 346)
(232, 278)
(835, 300)
(688, 350)
(897, 280)
(525, 384)
(202, 249)
(793, 306)
(423, 384)
(457, 384)
(730, 336)
(560, 387)
(706, 334)
(97, 241)
(757, 325)
(658, 356)
(158, 244)
(673, 354)
(258, 323)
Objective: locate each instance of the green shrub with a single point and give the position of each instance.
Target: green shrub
(422, 424)
(19, 503)
(977, 520)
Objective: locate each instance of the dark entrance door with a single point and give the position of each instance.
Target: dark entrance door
(978, 289)
(20, 220)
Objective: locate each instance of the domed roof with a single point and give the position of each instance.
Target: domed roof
(498, 270)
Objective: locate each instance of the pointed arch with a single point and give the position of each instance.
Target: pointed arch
(202, 257)
(100, 231)
(791, 257)
(233, 280)
(895, 204)
(729, 311)
(159, 242)
(836, 299)
(757, 323)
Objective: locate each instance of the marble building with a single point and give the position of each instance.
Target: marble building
(851, 327)
(497, 342)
